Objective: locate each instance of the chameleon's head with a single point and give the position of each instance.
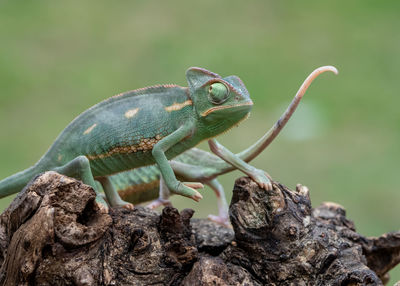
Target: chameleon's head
(219, 102)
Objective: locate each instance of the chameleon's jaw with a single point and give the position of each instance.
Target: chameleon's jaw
(235, 107)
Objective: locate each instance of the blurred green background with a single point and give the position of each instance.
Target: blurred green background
(57, 59)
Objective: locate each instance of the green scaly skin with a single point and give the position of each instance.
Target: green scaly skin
(142, 127)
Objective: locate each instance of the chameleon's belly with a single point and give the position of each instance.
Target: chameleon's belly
(120, 162)
(123, 148)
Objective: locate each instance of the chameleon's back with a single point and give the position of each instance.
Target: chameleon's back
(119, 133)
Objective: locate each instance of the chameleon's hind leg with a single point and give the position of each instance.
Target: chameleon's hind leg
(112, 195)
(163, 199)
(259, 176)
(79, 168)
(223, 213)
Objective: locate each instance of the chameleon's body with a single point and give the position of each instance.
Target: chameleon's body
(143, 127)
(143, 184)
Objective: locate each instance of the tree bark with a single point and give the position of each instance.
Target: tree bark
(54, 234)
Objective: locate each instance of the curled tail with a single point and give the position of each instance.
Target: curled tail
(255, 149)
(15, 183)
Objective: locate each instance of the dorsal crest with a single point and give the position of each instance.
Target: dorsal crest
(145, 90)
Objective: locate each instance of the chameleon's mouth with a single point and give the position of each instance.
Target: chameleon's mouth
(212, 109)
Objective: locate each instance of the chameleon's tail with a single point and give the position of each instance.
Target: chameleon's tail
(252, 152)
(18, 181)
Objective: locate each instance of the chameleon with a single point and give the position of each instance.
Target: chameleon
(143, 127)
(145, 183)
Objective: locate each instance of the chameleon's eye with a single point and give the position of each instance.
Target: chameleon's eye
(218, 93)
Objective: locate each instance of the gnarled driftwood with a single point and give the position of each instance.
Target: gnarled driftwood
(54, 234)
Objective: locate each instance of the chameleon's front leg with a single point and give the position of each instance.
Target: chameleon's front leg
(185, 189)
(259, 176)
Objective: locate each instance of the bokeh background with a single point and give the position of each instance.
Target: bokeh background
(57, 59)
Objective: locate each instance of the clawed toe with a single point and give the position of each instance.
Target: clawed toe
(194, 185)
(197, 197)
(128, 206)
(103, 208)
(101, 203)
(266, 186)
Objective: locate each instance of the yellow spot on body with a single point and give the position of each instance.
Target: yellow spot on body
(132, 112)
(87, 131)
(178, 106)
(59, 157)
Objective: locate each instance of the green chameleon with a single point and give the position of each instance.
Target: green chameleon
(150, 126)
(145, 183)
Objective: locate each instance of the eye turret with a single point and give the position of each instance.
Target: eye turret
(218, 93)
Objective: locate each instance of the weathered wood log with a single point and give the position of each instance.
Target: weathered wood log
(54, 234)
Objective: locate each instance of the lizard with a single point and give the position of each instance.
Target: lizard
(144, 127)
(145, 183)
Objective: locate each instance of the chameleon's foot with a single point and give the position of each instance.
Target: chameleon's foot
(302, 190)
(222, 220)
(101, 203)
(122, 203)
(188, 189)
(158, 202)
(261, 178)
(197, 196)
(266, 186)
(128, 206)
